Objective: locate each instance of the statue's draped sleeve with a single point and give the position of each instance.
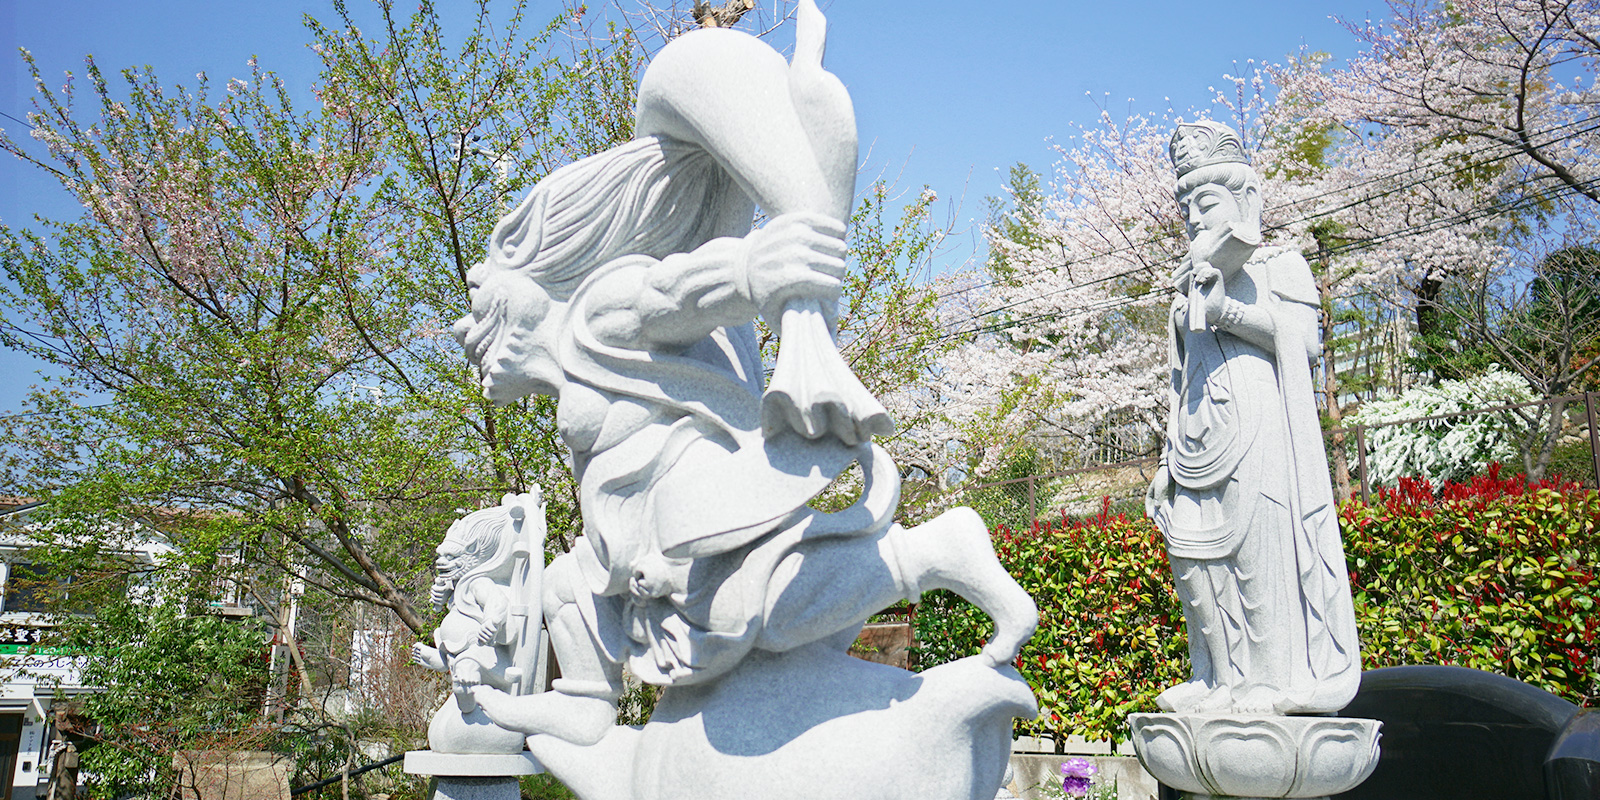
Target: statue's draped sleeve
(1334, 662)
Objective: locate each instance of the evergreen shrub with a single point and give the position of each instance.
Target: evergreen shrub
(1496, 574)
(1110, 631)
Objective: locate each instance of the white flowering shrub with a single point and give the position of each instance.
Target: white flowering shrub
(1443, 449)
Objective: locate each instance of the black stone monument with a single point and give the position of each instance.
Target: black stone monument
(1451, 733)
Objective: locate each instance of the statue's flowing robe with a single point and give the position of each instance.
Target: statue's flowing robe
(688, 510)
(1249, 520)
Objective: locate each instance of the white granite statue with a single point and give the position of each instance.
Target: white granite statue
(1243, 494)
(1246, 506)
(486, 579)
(625, 285)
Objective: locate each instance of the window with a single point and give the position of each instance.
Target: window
(29, 588)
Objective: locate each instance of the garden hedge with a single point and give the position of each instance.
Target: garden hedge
(1495, 574)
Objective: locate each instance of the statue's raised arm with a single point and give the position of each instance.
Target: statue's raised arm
(786, 134)
(626, 285)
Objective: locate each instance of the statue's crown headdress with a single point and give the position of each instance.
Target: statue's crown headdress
(1204, 143)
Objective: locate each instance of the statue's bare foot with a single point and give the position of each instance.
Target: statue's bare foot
(1218, 701)
(1184, 698)
(1259, 700)
(580, 720)
(465, 675)
(953, 552)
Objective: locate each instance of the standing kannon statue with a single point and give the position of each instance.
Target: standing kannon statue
(1244, 501)
(1242, 494)
(625, 286)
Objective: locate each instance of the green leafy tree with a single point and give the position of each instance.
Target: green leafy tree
(1545, 329)
(172, 682)
(132, 618)
(1015, 219)
(265, 292)
(890, 333)
(263, 288)
(1535, 311)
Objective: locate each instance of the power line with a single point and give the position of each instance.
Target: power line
(1425, 179)
(1446, 160)
(1446, 163)
(1469, 215)
(1314, 215)
(1480, 212)
(22, 122)
(1154, 240)
(1104, 305)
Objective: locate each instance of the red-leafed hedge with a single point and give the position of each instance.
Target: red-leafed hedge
(1495, 574)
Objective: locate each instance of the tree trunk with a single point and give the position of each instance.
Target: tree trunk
(1540, 464)
(1427, 311)
(372, 575)
(1428, 304)
(1330, 386)
(63, 783)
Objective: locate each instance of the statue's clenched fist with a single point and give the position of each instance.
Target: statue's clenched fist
(794, 257)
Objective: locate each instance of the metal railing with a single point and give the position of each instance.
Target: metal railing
(343, 775)
(1590, 400)
(1028, 498)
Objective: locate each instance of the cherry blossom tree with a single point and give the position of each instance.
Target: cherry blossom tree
(1514, 74)
(1073, 304)
(1496, 98)
(1424, 162)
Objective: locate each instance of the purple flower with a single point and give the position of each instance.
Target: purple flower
(1079, 768)
(1078, 771)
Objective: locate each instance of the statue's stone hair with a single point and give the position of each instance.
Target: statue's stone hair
(652, 196)
(1236, 177)
(480, 533)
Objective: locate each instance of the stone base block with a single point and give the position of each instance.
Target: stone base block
(503, 788)
(1210, 756)
(471, 765)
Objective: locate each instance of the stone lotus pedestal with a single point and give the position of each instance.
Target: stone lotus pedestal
(1256, 757)
(472, 776)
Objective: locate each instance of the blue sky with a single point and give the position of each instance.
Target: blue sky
(948, 94)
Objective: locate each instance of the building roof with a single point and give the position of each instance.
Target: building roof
(11, 504)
